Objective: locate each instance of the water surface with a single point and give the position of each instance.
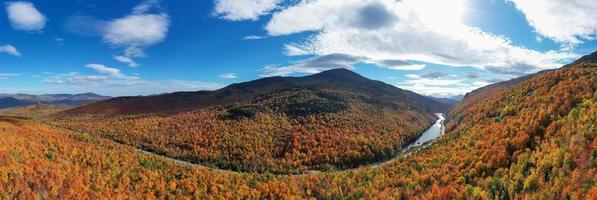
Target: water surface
(432, 133)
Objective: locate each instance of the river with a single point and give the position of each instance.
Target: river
(430, 134)
(436, 130)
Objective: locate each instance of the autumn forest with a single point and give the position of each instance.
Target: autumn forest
(532, 137)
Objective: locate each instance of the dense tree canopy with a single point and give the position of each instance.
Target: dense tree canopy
(533, 138)
(288, 131)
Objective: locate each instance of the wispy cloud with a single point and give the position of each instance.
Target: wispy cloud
(110, 71)
(473, 75)
(434, 75)
(145, 26)
(254, 37)
(313, 65)
(229, 76)
(112, 81)
(8, 75)
(127, 60)
(439, 87)
(318, 64)
(236, 10)
(11, 50)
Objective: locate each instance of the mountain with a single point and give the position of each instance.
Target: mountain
(332, 120)
(13, 100)
(34, 110)
(8, 102)
(45, 98)
(531, 137)
(446, 101)
(588, 60)
(187, 101)
(457, 97)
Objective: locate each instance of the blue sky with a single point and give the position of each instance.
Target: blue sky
(434, 47)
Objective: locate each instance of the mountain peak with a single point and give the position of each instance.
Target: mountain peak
(340, 74)
(591, 58)
(340, 71)
(335, 79)
(89, 94)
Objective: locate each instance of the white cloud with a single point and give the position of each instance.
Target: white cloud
(254, 37)
(85, 79)
(441, 84)
(564, 21)
(317, 15)
(434, 75)
(438, 87)
(429, 31)
(8, 75)
(393, 64)
(146, 6)
(147, 25)
(102, 69)
(137, 30)
(434, 82)
(408, 67)
(11, 50)
(236, 10)
(229, 76)
(112, 81)
(413, 76)
(127, 60)
(438, 91)
(24, 16)
(313, 65)
(480, 83)
(106, 84)
(333, 61)
(293, 50)
(75, 78)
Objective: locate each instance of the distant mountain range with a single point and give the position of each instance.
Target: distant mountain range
(457, 97)
(335, 80)
(14, 100)
(447, 100)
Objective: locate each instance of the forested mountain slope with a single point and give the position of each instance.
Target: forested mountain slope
(529, 137)
(15, 100)
(336, 79)
(535, 139)
(34, 111)
(9, 102)
(334, 119)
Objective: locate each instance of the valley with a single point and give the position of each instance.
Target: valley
(333, 120)
(298, 99)
(529, 138)
(432, 133)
